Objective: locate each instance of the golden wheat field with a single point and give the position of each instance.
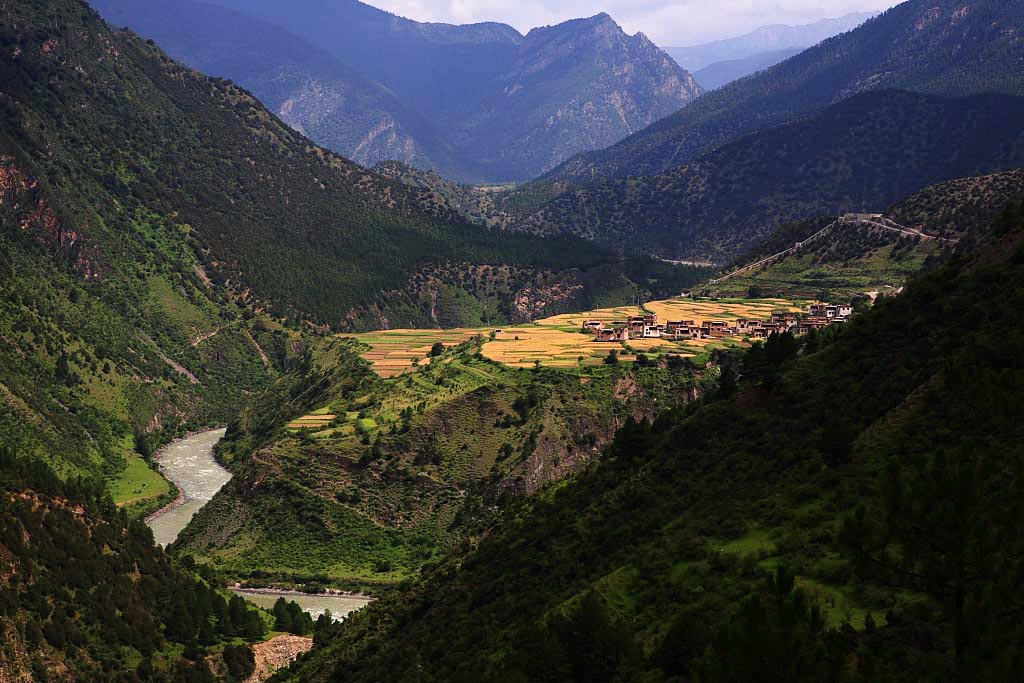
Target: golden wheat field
(392, 351)
(689, 309)
(557, 341)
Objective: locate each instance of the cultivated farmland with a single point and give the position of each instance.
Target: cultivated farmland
(558, 342)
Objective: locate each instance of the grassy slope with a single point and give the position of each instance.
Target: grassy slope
(409, 466)
(675, 525)
(852, 261)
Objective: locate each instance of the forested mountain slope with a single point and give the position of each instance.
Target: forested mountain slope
(508, 106)
(859, 155)
(940, 47)
(86, 596)
(851, 260)
(847, 514)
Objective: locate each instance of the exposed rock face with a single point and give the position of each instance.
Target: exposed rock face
(582, 85)
(277, 653)
(22, 199)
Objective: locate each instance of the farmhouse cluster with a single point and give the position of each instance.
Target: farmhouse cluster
(648, 327)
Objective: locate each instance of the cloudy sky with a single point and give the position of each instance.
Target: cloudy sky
(666, 22)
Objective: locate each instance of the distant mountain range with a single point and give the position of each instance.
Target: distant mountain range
(479, 103)
(716, 75)
(940, 47)
(763, 40)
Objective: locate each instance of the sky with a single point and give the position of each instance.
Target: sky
(666, 22)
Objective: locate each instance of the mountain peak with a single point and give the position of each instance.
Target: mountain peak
(598, 22)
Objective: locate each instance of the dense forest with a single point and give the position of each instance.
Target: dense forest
(846, 511)
(85, 594)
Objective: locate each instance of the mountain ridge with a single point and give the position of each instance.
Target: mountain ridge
(858, 155)
(939, 47)
(765, 39)
(478, 103)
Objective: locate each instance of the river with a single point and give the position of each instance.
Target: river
(340, 606)
(190, 464)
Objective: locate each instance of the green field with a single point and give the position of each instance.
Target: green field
(138, 483)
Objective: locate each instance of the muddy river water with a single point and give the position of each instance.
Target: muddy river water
(190, 464)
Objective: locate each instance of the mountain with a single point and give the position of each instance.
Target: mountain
(764, 40)
(308, 88)
(171, 246)
(847, 512)
(715, 75)
(937, 47)
(859, 155)
(498, 105)
(568, 88)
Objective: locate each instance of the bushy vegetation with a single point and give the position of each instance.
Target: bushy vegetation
(847, 514)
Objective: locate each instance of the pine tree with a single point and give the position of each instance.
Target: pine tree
(283, 616)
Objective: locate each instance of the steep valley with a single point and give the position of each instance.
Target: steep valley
(485, 418)
(398, 472)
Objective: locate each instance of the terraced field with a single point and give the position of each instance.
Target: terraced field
(392, 352)
(557, 341)
(728, 309)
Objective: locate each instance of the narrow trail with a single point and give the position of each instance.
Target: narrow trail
(259, 349)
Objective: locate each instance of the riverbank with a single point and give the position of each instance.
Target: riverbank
(287, 592)
(178, 501)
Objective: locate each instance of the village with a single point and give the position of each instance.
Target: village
(647, 326)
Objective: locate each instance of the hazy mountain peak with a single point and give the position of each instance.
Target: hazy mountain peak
(772, 37)
(598, 22)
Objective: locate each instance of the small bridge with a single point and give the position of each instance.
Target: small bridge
(875, 220)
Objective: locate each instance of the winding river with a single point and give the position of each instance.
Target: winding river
(190, 464)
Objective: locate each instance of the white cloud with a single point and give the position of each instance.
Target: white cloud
(666, 22)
